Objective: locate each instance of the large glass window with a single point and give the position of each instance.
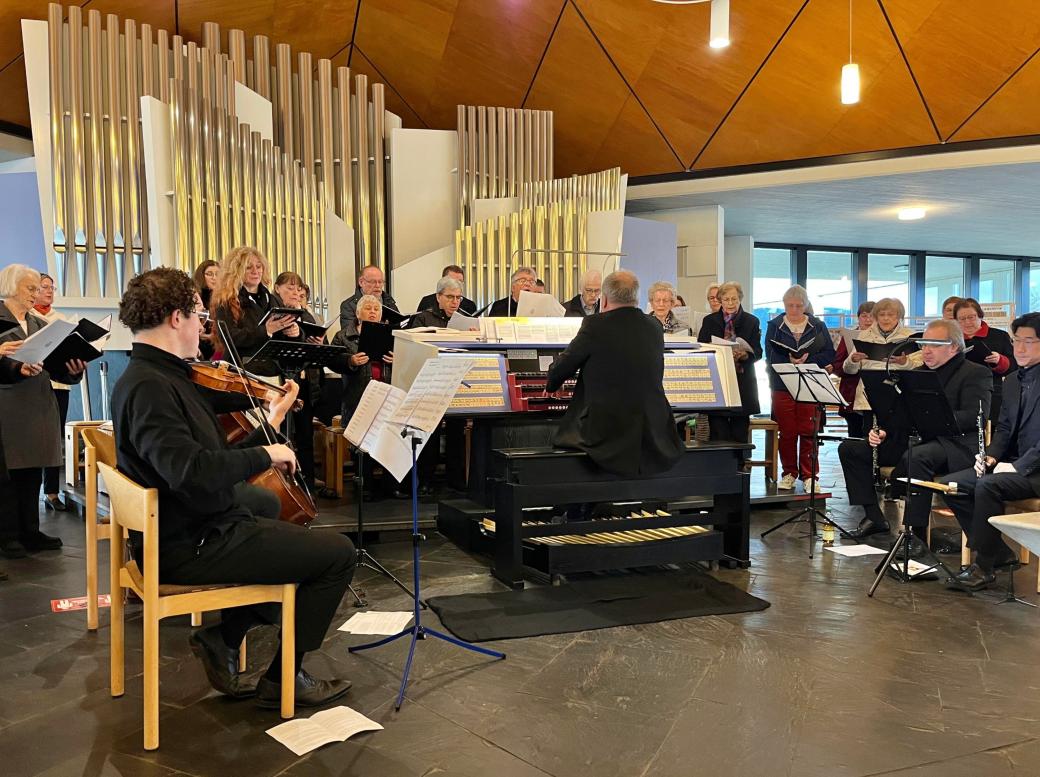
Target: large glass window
(771, 277)
(997, 280)
(888, 275)
(828, 279)
(943, 278)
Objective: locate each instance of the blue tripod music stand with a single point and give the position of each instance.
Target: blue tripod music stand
(417, 630)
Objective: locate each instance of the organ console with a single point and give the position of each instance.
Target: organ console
(514, 473)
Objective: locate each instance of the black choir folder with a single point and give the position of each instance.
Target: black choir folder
(806, 347)
(375, 340)
(977, 351)
(878, 352)
(61, 341)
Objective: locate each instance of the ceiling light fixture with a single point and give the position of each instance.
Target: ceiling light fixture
(718, 35)
(911, 214)
(850, 73)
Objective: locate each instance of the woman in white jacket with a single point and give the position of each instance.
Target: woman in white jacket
(888, 328)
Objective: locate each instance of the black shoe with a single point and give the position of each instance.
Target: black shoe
(918, 551)
(55, 504)
(310, 691)
(972, 578)
(13, 549)
(220, 663)
(868, 527)
(41, 541)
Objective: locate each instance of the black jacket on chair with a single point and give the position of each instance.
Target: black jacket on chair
(619, 414)
(746, 326)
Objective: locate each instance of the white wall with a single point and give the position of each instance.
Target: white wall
(736, 266)
(700, 234)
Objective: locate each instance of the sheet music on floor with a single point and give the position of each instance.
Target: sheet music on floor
(853, 551)
(322, 728)
(379, 623)
(384, 410)
(915, 568)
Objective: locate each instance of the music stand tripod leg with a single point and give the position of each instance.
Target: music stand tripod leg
(417, 630)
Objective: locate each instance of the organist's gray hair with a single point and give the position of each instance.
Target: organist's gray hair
(621, 288)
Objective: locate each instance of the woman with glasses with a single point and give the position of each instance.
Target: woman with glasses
(988, 346)
(31, 429)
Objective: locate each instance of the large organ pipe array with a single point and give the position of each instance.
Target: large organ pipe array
(232, 186)
(549, 232)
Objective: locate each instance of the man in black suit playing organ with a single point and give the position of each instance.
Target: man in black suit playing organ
(619, 414)
(1011, 467)
(965, 385)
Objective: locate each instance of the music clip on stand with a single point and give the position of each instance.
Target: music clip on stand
(809, 390)
(417, 630)
(929, 416)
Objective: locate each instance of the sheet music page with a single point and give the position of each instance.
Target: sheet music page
(377, 404)
(532, 303)
(39, 345)
(380, 623)
(335, 725)
(506, 330)
(389, 448)
(463, 323)
(431, 393)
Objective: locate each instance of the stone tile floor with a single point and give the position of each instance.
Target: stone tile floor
(918, 681)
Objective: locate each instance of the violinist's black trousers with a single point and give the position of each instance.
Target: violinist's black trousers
(270, 552)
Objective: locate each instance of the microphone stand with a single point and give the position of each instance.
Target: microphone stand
(417, 630)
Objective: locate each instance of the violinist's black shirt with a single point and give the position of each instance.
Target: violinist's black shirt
(168, 437)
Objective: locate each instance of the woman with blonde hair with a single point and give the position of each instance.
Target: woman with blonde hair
(243, 298)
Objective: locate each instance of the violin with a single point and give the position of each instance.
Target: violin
(221, 376)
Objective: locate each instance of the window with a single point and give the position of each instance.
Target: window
(888, 275)
(1034, 286)
(771, 277)
(997, 280)
(828, 279)
(943, 278)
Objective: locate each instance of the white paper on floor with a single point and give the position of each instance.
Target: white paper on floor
(915, 568)
(335, 725)
(385, 623)
(856, 550)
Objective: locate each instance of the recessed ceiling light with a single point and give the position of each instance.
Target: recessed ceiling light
(911, 214)
(718, 36)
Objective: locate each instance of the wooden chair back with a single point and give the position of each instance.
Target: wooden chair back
(104, 445)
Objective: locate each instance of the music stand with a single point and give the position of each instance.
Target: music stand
(928, 415)
(811, 385)
(883, 397)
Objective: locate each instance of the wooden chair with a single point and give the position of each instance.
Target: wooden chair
(73, 439)
(337, 454)
(98, 447)
(772, 434)
(137, 509)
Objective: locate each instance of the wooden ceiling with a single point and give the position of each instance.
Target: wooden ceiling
(634, 83)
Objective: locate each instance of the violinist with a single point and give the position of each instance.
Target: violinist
(243, 298)
(168, 438)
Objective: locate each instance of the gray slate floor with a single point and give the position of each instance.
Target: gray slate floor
(918, 681)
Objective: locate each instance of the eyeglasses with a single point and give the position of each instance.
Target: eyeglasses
(1025, 341)
(203, 315)
(452, 297)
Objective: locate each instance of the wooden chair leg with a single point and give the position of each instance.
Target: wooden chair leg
(243, 662)
(965, 550)
(289, 651)
(151, 676)
(116, 635)
(771, 446)
(1023, 554)
(196, 619)
(92, 571)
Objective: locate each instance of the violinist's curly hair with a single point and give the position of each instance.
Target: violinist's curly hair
(151, 297)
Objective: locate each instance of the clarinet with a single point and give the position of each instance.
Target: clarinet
(874, 451)
(981, 423)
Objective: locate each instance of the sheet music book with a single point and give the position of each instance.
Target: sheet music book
(535, 305)
(315, 329)
(375, 339)
(878, 351)
(276, 312)
(739, 344)
(385, 410)
(464, 323)
(395, 318)
(61, 340)
(803, 348)
(809, 383)
(977, 351)
(322, 728)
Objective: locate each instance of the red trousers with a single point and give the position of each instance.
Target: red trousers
(796, 420)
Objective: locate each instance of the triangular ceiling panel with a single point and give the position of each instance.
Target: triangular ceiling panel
(963, 50)
(792, 110)
(590, 101)
(471, 52)
(360, 65)
(663, 53)
(321, 27)
(1013, 111)
(15, 92)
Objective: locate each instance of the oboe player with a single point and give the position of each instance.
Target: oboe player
(1010, 468)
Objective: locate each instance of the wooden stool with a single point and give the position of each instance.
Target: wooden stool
(772, 432)
(137, 509)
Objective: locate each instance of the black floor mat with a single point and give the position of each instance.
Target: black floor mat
(592, 603)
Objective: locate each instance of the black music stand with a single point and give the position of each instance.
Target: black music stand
(362, 557)
(417, 630)
(810, 384)
(880, 388)
(292, 357)
(928, 415)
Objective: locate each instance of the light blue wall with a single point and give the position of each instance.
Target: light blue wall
(650, 249)
(21, 230)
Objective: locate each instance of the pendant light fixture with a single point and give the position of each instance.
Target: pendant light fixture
(718, 35)
(850, 73)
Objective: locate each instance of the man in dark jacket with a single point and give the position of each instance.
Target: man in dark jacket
(586, 302)
(447, 300)
(619, 414)
(1011, 468)
(453, 271)
(523, 279)
(965, 385)
(371, 281)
